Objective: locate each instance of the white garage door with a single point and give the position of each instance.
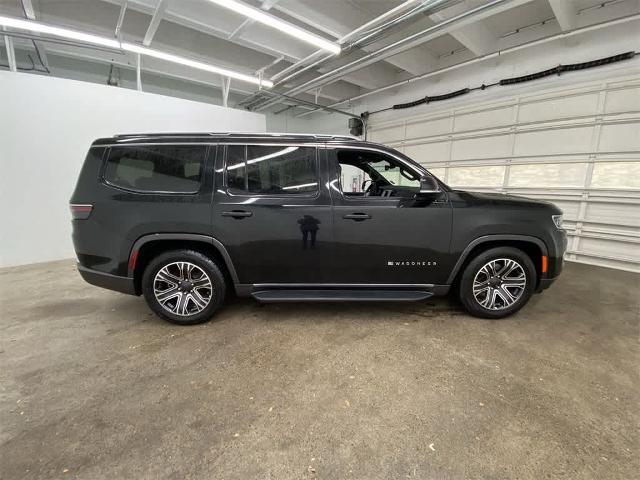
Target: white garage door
(578, 147)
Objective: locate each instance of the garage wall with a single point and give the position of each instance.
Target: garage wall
(577, 146)
(319, 123)
(46, 127)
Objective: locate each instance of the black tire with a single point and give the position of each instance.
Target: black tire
(501, 308)
(196, 296)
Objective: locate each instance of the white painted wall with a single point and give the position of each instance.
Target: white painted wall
(46, 127)
(321, 123)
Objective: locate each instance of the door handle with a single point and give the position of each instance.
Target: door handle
(237, 214)
(358, 217)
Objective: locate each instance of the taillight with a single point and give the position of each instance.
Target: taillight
(80, 211)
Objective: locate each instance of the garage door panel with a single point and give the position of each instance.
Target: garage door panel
(428, 128)
(616, 175)
(614, 213)
(619, 231)
(490, 176)
(553, 141)
(387, 134)
(428, 152)
(558, 107)
(577, 146)
(548, 175)
(624, 100)
(498, 117)
(438, 172)
(620, 137)
(481, 147)
(598, 246)
(569, 208)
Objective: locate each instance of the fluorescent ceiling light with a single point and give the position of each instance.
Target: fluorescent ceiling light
(149, 52)
(303, 185)
(278, 153)
(274, 22)
(39, 27)
(57, 31)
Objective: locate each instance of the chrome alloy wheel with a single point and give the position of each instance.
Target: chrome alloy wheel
(499, 284)
(182, 288)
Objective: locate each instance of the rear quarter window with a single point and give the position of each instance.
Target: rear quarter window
(156, 168)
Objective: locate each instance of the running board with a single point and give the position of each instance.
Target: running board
(332, 295)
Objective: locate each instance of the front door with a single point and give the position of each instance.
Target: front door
(272, 212)
(382, 233)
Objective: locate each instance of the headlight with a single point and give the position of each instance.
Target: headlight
(557, 219)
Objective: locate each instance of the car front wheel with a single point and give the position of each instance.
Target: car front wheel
(497, 283)
(183, 286)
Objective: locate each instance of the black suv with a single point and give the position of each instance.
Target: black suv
(185, 218)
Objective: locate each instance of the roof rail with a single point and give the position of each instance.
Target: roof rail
(235, 134)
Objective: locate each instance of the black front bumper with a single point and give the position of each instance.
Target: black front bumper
(106, 280)
(545, 283)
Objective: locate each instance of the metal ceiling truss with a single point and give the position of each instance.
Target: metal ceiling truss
(533, 43)
(375, 28)
(465, 18)
(462, 26)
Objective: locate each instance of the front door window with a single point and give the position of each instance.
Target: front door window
(365, 173)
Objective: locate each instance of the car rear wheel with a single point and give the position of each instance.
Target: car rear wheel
(497, 283)
(183, 286)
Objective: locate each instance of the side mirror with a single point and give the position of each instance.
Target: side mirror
(428, 186)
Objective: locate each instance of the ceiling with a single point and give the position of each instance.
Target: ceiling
(202, 30)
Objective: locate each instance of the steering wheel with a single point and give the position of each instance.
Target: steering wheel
(367, 190)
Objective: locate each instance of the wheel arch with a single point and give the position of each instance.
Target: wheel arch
(534, 247)
(149, 246)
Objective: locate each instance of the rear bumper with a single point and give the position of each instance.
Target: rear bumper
(106, 280)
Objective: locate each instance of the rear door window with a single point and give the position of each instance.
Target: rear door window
(272, 170)
(156, 168)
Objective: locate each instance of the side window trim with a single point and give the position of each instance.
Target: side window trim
(246, 193)
(203, 172)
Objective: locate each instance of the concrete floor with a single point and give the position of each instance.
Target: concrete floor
(92, 385)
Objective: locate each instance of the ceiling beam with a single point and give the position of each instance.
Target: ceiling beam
(266, 6)
(123, 10)
(565, 12)
(468, 17)
(505, 51)
(168, 70)
(213, 26)
(30, 13)
(476, 37)
(150, 65)
(154, 23)
(282, 48)
(226, 83)
(11, 53)
(338, 26)
(415, 61)
(306, 14)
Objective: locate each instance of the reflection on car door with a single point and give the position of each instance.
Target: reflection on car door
(272, 211)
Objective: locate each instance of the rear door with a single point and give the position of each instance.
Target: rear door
(272, 211)
(382, 235)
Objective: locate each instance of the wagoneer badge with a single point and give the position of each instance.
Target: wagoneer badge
(419, 263)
